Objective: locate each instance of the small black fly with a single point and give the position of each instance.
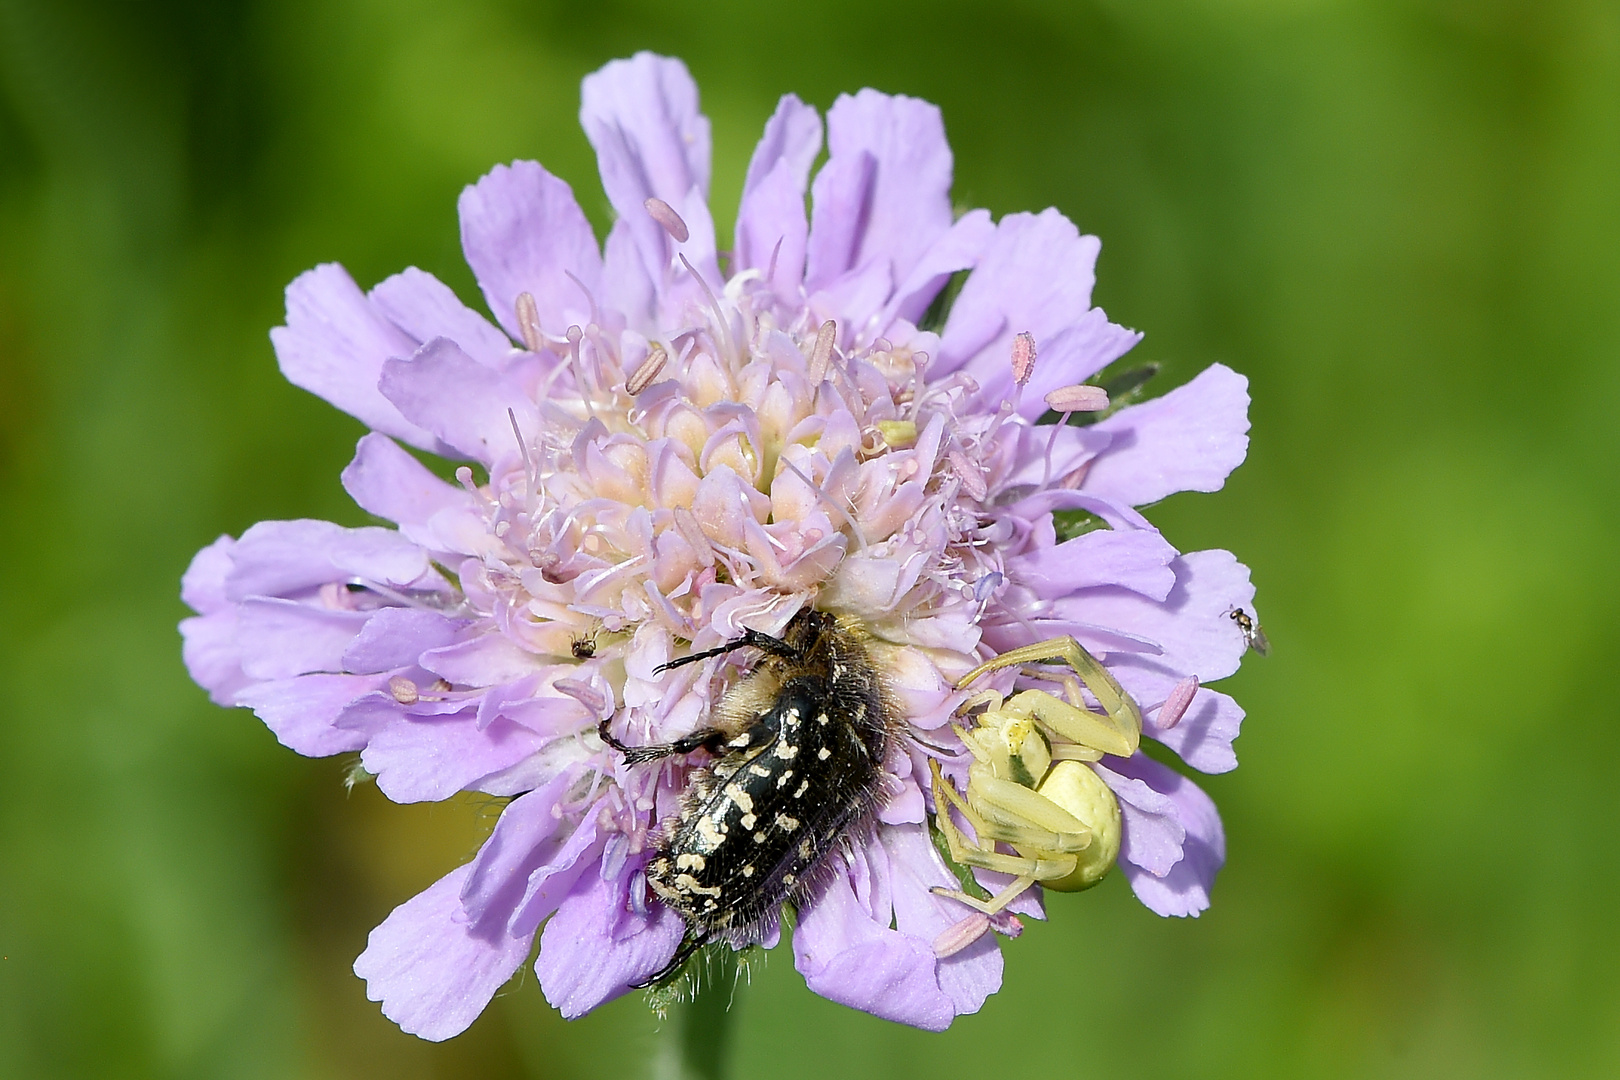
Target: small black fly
(1253, 636)
(799, 745)
(583, 646)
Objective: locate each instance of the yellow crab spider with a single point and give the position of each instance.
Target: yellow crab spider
(1027, 786)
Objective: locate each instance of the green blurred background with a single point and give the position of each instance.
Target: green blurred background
(1400, 219)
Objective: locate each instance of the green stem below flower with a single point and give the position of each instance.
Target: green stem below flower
(702, 1028)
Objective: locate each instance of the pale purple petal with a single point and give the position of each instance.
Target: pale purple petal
(432, 971)
(641, 115)
(387, 481)
(1153, 832)
(1192, 627)
(461, 401)
(430, 758)
(1185, 889)
(1034, 277)
(1138, 560)
(628, 285)
(1188, 440)
(553, 880)
(425, 308)
(334, 345)
(518, 846)
(959, 249)
(1048, 454)
(395, 637)
(212, 656)
(488, 660)
(595, 946)
(848, 957)
(900, 202)
(278, 558)
(202, 588)
(522, 231)
(282, 638)
(771, 229)
(969, 976)
(1203, 738)
(773, 194)
(302, 711)
(841, 195)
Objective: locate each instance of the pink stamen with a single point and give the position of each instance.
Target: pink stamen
(971, 475)
(1023, 358)
(644, 375)
(584, 693)
(1175, 706)
(965, 933)
(770, 271)
(663, 213)
(528, 320)
(404, 690)
(1081, 398)
(821, 353)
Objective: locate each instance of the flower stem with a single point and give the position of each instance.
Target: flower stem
(703, 1026)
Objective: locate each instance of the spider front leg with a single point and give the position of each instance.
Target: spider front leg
(1118, 732)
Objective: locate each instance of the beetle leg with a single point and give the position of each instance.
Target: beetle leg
(636, 755)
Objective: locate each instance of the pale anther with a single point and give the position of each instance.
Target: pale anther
(958, 937)
(971, 475)
(1081, 398)
(528, 320)
(821, 354)
(647, 371)
(898, 434)
(663, 213)
(1175, 706)
(1023, 357)
(404, 690)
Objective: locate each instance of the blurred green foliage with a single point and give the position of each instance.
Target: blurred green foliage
(1400, 219)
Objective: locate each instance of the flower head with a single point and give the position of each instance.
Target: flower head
(668, 456)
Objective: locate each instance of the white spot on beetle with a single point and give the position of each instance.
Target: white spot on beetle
(738, 796)
(785, 823)
(804, 785)
(687, 860)
(786, 751)
(747, 821)
(781, 781)
(688, 883)
(757, 770)
(709, 834)
(748, 871)
(822, 719)
(823, 754)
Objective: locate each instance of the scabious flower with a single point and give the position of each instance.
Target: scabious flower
(669, 454)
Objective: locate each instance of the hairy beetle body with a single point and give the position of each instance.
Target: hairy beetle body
(799, 745)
